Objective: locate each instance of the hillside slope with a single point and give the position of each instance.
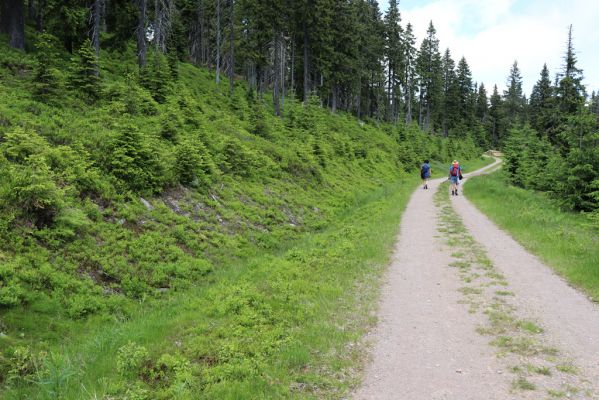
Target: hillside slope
(165, 193)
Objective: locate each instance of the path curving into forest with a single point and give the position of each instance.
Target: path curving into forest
(468, 313)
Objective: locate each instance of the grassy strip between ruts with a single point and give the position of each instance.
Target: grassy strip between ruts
(565, 241)
(519, 341)
(287, 326)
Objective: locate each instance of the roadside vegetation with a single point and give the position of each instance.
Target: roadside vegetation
(170, 240)
(566, 241)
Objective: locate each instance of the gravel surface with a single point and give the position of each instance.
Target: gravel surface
(427, 344)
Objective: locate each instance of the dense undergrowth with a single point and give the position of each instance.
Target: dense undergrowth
(567, 241)
(166, 237)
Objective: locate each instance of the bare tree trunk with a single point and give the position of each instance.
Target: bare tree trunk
(163, 10)
(282, 69)
(39, 15)
(276, 86)
(95, 17)
(103, 27)
(420, 121)
(12, 22)
(335, 93)
(31, 10)
(390, 99)
(359, 98)
(218, 41)
(199, 48)
(428, 117)
(232, 48)
(409, 103)
(306, 64)
(141, 34)
(292, 83)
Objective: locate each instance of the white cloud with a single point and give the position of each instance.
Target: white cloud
(492, 34)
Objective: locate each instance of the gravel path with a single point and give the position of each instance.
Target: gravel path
(428, 345)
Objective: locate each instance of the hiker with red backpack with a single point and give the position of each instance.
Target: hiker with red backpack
(455, 175)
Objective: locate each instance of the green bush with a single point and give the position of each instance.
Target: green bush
(136, 99)
(30, 190)
(85, 72)
(134, 163)
(193, 164)
(47, 76)
(171, 124)
(131, 359)
(24, 363)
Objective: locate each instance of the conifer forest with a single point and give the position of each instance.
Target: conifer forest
(194, 194)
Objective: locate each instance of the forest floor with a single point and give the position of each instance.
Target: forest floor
(467, 313)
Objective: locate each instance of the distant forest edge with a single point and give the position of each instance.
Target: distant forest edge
(348, 54)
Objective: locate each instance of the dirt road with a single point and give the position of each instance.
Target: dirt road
(467, 313)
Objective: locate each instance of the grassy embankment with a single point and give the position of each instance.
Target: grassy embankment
(281, 325)
(567, 242)
(251, 270)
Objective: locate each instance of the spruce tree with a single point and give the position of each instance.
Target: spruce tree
(410, 53)
(542, 106)
(46, 75)
(482, 104)
(428, 68)
(465, 95)
(449, 113)
(84, 77)
(394, 54)
(495, 122)
(570, 91)
(514, 97)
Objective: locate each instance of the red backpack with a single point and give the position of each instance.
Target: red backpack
(455, 168)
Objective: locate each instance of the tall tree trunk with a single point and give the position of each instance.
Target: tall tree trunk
(198, 41)
(157, 27)
(31, 10)
(103, 27)
(420, 121)
(4, 20)
(390, 99)
(12, 22)
(283, 68)
(277, 78)
(292, 82)
(96, 13)
(428, 117)
(232, 48)
(306, 64)
(335, 93)
(218, 41)
(39, 15)
(408, 96)
(141, 34)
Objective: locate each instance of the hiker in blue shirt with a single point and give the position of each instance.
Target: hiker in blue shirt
(455, 174)
(425, 173)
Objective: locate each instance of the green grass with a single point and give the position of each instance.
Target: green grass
(253, 272)
(282, 325)
(522, 384)
(563, 240)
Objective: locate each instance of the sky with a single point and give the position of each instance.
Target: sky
(491, 34)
